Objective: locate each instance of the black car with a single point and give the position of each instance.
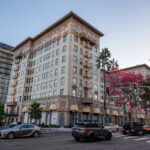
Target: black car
(133, 128)
(90, 131)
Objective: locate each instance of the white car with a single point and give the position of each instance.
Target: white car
(112, 127)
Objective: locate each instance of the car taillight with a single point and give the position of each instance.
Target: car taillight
(132, 130)
(122, 129)
(148, 128)
(84, 130)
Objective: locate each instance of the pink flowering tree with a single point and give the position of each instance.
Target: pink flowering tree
(120, 86)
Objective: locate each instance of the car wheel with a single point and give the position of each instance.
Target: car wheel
(108, 136)
(36, 134)
(77, 139)
(91, 138)
(11, 135)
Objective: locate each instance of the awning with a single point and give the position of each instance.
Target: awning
(25, 109)
(138, 116)
(115, 113)
(86, 109)
(42, 108)
(121, 113)
(142, 116)
(96, 111)
(74, 107)
(53, 107)
(107, 111)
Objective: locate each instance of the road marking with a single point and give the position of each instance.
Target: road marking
(119, 135)
(147, 141)
(141, 139)
(130, 137)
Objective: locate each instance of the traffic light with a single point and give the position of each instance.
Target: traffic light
(107, 90)
(134, 87)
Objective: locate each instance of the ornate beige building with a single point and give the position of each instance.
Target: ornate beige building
(57, 68)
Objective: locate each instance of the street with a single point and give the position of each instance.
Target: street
(64, 141)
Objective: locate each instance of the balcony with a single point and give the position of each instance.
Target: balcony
(87, 101)
(16, 68)
(17, 61)
(88, 66)
(87, 86)
(11, 103)
(18, 55)
(87, 76)
(11, 114)
(14, 84)
(74, 85)
(14, 76)
(91, 42)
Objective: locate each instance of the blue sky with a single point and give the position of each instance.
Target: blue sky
(125, 23)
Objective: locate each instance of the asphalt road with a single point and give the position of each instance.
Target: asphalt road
(64, 141)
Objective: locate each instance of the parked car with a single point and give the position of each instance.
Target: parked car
(22, 130)
(112, 127)
(133, 128)
(90, 131)
(147, 129)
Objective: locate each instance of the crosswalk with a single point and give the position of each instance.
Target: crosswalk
(145, 138)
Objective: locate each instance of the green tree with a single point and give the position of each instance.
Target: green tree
(145, 102)
(1, 112)
(35, 111)
(113, 64)
(103, 60)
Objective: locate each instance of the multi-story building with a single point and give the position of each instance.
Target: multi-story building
(57, 68)
(6, 59)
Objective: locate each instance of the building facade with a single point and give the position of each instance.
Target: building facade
(57, 68)
(6, 59)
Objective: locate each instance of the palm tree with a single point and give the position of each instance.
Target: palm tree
(35, 111)
(1, 112)
(113, 63)
(103, 60)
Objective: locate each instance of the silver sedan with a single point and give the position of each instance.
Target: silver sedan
(22, 130)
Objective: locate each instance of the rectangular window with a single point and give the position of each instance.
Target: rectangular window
(61, 91)
(74, 69)
(75, 38)
(73, 92)
(80, 94)
(51, 84)
(80, 72)
(51, 73)
(75, 81)
(75, 59)
(81, 51)
(95, 77)
(63, 69)
(57, 61)
(65, 38)
(75, 48)
(81, 61)
(56, 72)
(55, 82)
(53, 53)
(52, 63)
(63, 59)
(64, 48)
(80, 83)
(57, 52)
(58, 42)
(62, 81)
(54, 93)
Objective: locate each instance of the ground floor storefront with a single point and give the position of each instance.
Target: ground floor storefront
(64, 111)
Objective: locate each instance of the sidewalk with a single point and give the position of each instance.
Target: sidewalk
(56, 130)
